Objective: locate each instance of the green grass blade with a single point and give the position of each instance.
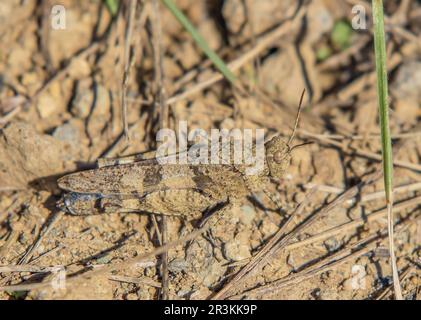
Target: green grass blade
(112, 6)
(216, 60)
(382, 91)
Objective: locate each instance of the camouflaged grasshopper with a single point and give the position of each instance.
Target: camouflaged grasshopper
(185, 190)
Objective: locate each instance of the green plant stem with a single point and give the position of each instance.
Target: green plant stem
(112, 6)
(216, 60)
(382, 90)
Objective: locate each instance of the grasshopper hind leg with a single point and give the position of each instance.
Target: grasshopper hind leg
(93, 204)
(80, 204)
(186, 204)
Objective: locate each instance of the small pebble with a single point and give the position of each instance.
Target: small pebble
(248, 214)
(236, 251)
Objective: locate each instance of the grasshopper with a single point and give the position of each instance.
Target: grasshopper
(184, 190)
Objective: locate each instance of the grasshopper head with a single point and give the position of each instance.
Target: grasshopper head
(278, 152)
(278, 157)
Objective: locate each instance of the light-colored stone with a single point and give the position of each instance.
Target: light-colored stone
(236, 250)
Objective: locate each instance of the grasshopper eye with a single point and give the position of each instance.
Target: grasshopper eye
(278, 157)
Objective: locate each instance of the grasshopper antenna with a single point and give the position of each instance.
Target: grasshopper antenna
(297, 118)
(300, 145)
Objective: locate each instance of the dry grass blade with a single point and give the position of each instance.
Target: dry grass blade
(389, 290)
(330, 262)
(283, 242)
(323, 265)
(141, 281)
(262, 44)
(51, 224)
(377, 215)
(111, 267)
(358, 152)
(261, 257)
(128, 59)
(163, 123)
